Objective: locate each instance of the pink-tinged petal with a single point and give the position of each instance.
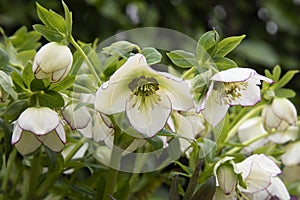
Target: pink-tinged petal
(61, 132)
(177, 90)
(215, 109)
(39, 121)
(150, 119)
(39, 73)
(60, 74)
(263, 78)
(291, 156)
(77, 118)
(249, 96)
(101, 131)
(111, 98)
(52, 141)
(278, 189)
(234, 75)
(28, 143)
(17, 133)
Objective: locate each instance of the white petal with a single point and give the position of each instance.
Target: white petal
(177, 90)
(101, 131)
(60, 74)
(52, 141)
(252, 128)
(111, 98)
(214, 111)
(148, 121)
(281, 137)
(250, 96)
(87, 131)
(28, 143)
(269, 119)
(40, 120)
(278, 189)
(234, 75)
(39, 73)
(291, 156)
(61, 132)
(285, 110)
(17, 133)
(77, 118)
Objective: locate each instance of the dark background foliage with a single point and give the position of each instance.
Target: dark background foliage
(272, 26)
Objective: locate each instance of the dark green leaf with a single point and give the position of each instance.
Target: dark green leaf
(206, 191)
(155, 142)
(49, 34)
(226, 45)
(193, 182)
(37, 85)
(4, 59)
(64, 84)
(183, 59)
(224, 63)
(152, 55)
(286, 78)
(285, 93)
(17, 79)
(207, 44)
(173, 194)
(50, 99)
(15, 109)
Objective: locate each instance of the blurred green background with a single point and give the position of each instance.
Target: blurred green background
(272, 26)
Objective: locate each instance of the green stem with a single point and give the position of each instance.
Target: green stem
(247, 143)
(234, 129)
(11, 159)
(88, 62)
(188, 73)
(74, 150)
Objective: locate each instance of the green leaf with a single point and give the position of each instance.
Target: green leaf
(64, 84)
(17, 79)
(173, 194)
(50, 99)
(206, 45)
(4, 59)
(152, 55)
(226, 45)
(15, 109)
(183, 59)
(7, 84)
(286, 78)
(193, 182)
(268, 74)
(49, 34)
(37, 85)
(122, 49)
(68, 18)
(27, 75)
(285, 93)
(51, 19)
(276, 73)
(206, 191)
(155, 142)
(224, 63)
(24, 40)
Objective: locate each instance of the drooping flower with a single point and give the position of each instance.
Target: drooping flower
(36, 126)
(53, 61)
(291, 156)
(146, 96)
(279, 115)
(235, 86)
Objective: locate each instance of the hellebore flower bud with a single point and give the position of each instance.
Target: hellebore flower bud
(36, 126)
(53, 61)
(279, 115)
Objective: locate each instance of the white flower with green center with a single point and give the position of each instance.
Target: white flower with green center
(146, 96)
(36, 126)
(235, 86)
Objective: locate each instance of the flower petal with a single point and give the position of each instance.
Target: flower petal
(234, 75)
(52, 141)
(101, 131)
(250, 96)
(39, 121)
(281, 137)
(77, 118)
(178, 91)
(278, 189)
(111, 98)
(290, 158)
(285, 109)
(148, 121)
(28, 143)
(17, 133)
(214, 111)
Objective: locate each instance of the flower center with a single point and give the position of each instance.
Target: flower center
(144, 91)
(231, 91)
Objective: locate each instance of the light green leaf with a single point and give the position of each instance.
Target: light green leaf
(121, 48)
(276, 73)
(4, 59)
(207, 44)
(226, 45)
(24, 40)
(17, 79)
(49, 34)
(152, 55)
(224, 63)
(27, 74)
(183, 59)
(51, 19)
(286, 78)
(68, 18)
(7, 84)
(285, 93)
(64, 84)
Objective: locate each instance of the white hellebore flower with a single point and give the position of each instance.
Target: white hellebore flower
(291, 156)
(279, 115)
(146, 96)
(260, 175)
(36, 126)
(52, 61)
(235, 86)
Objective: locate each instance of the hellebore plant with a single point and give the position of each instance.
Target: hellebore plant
(81, 123)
